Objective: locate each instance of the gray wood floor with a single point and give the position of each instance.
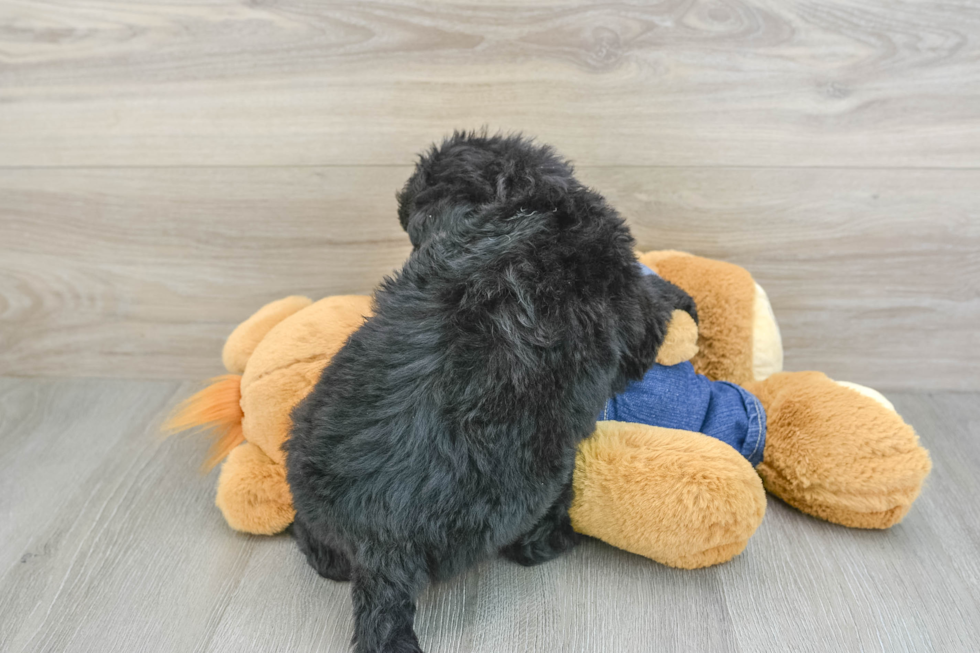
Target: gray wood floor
(110, 542)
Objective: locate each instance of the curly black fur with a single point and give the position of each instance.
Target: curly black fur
(445, 430)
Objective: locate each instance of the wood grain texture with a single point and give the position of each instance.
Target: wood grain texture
(111, 543)
(703, 82)
(874, 274)
(98, 559)
(168, 166)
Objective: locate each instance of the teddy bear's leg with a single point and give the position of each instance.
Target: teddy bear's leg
(838, 453)
(247, 335)
(252, 492)
(868, 392)
(681, 498)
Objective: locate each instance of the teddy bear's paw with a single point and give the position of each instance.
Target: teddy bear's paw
(681, 342)
(708, 557)
(837, 453)
(868, 392)
(253, 494)
(681, 498)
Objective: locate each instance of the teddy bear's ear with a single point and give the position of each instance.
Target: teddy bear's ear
(653, 257)
(767, 342)
(247, 335)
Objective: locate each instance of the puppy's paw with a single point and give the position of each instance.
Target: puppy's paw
(398, 644)
(530, 551)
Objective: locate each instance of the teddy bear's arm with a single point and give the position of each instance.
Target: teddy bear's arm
(681, 341)
(679, 497)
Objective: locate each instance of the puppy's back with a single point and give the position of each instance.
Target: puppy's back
(487, 360)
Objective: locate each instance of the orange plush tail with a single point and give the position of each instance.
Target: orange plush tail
(217, 408)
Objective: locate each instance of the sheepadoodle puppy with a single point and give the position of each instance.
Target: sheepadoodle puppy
(445, 429)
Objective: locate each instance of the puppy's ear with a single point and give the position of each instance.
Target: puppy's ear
(408, 195)
(432, 219)
(646, 323)
(417, 227)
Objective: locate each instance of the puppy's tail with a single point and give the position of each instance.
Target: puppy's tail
(216, 410)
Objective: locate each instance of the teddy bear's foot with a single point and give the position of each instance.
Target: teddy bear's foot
(681, 498)
(837, 452)
(253, 494)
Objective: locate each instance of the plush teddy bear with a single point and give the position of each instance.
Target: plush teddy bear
(676, 467)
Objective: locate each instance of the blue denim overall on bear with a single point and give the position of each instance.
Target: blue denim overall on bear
(677, 397)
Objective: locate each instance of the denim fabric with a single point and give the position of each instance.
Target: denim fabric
(677, 397)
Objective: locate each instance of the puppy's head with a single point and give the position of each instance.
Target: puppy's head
(473, 170)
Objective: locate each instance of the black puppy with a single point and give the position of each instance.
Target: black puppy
(445, 429)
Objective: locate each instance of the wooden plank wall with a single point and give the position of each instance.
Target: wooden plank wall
(168, 166)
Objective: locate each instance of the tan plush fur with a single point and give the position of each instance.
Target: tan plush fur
(279, 371)
(288, 361)
(680, 498)
(253, 495)
(681, 342)
(243, 340)
(725, 297)
(767, 342)
(837, 454)
(652, 258)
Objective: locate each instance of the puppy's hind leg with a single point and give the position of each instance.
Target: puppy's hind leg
(384, 590)
(326, 557)
(550, 537)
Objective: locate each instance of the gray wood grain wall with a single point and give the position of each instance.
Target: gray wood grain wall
(167, 167)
